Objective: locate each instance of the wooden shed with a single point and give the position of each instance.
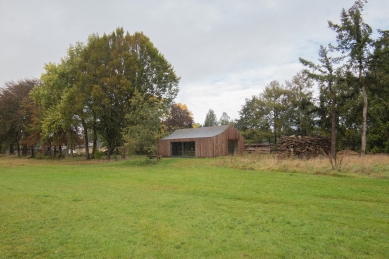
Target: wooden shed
(202, 142)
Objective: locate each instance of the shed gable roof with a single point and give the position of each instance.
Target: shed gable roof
(204, 132)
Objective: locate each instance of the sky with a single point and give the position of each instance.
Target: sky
(224, 50)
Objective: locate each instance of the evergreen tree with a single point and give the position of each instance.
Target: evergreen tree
(354, 40)
(378, 133)
(225, 119)
(326, 75)
(251, 123)
(210, 119)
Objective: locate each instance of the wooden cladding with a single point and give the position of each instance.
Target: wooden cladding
(208, 146)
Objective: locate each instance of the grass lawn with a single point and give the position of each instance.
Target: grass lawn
(186, 208)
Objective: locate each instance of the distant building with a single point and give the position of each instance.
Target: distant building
(202, 142)
(81, 148)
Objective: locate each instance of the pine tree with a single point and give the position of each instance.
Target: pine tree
(353, 38)
(210, 119)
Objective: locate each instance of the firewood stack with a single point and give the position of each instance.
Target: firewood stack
(303, 147)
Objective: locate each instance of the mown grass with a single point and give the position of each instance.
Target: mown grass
(186, 208)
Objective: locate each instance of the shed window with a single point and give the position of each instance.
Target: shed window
(183, 149)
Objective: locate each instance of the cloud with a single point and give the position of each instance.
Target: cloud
(224, 50)
(228, 93)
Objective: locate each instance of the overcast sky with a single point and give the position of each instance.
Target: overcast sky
(224, 51)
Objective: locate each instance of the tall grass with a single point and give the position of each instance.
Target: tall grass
(349, 166)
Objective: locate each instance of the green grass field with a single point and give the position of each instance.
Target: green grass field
(186, 208)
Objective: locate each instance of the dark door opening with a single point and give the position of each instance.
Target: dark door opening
(183, 149)
(232, 147)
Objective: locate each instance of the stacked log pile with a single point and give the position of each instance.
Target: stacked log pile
(303, 147)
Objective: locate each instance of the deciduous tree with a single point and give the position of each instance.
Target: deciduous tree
(144, 124)
(179, 117)
(59, 125)
(264, 117)
(301, 117)
(12, 117)
(272, 105)
(114, 67)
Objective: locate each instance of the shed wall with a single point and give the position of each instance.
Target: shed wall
(207, 147)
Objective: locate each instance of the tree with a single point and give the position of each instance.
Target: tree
(353, 38)
(250, 122)
(272, 106)
(327, 78)
(210, 119)
(378, 133)
(301, 99)
(32, 123)
(144, 125)
(225, 119)
(59, 125)
(265, 117)
(12, 117)
(94, 84)
(114, 67)
(179, 117)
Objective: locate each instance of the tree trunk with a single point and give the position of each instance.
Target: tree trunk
(109, 152)
(67, 143)
(94, 148)
(32, 151)
(86, 140)
(333, 121)
(11, 149)
(364, 120)
(333, 133)
(60, 151)
(18, 148)
(24, 150)
(275, 134)
(123, 153)
(48, 151)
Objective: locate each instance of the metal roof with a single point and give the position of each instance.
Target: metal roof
(204, 132)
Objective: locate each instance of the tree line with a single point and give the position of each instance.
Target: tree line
(353, 99)
(117, 88)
